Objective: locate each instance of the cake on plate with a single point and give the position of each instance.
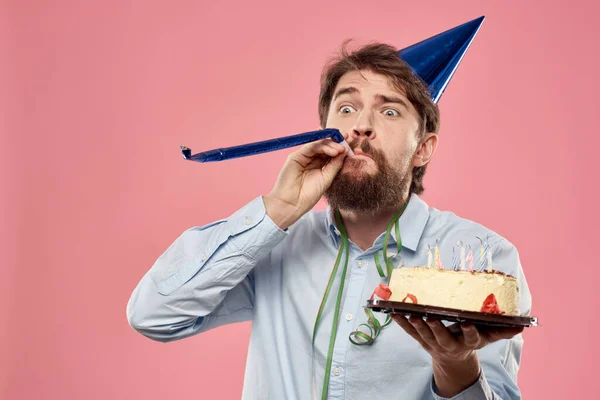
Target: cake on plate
(480, 291)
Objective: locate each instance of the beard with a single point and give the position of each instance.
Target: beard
(369, 193)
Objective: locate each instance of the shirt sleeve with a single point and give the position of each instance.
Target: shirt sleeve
(500, 361)
(204, 279)
(479, 390)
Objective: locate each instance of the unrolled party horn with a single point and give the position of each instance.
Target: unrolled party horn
(265, 146)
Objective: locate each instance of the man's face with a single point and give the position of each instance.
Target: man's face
(382, 126)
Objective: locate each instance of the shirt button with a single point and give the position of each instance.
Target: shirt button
(349, 317)
(203, 259)
(360, 263)
(248, 221)
(337, 371)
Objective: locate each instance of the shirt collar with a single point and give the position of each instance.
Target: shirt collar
(412, 223)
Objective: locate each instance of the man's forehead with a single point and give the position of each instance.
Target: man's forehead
(365, 80)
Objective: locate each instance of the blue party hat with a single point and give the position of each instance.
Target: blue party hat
(435, 59)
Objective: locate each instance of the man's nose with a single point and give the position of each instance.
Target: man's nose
(363, 126)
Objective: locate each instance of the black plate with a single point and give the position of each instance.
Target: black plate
(482, 320)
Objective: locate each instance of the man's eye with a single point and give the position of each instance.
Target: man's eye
(347, 110)
(390, 112)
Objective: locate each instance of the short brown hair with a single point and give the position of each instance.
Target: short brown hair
(382, 59)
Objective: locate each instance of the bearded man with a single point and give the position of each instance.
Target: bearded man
(271, 261)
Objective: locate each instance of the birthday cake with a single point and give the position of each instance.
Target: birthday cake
(485, 291)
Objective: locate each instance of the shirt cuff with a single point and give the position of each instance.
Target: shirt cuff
(480, 390)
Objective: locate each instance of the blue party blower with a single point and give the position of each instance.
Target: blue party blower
(265, 146)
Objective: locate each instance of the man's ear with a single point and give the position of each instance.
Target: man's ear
(425, 149)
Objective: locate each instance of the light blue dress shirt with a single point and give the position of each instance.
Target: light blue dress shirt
(245, 268)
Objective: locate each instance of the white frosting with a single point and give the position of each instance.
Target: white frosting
(461, 290)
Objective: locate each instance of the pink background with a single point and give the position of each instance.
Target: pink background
(97, 97)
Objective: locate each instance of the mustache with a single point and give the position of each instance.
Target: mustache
(365, 147)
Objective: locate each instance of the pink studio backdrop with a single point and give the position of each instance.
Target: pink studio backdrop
(98, 96)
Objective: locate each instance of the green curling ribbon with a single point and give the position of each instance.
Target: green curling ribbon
(374, 326)
(360, 337)
(344, 249)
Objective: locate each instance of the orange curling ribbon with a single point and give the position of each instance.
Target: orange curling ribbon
(382, 291)
(412, 298)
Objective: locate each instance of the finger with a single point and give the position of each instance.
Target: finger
(319, 147)
(325, 152)
(331, 169)
(503, 333)
(442, 335)
(471, 336)
(318, 162)
(424, 331)
(408, 328)
(328, 149)
(403, 322)
(305, 156)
